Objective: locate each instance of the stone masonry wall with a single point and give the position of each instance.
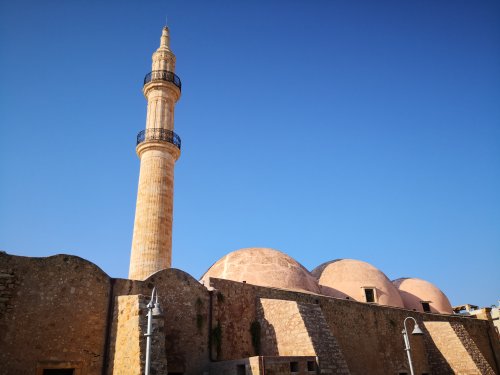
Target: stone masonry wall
(368, 335)
(233, 312)
(127, 349)
(472, 349)
(328, 351)
(56, 313)
(487, 344)
(128, 344)
(452, 349)
(464, 345)
(283, 329)
(185, 303)
(8, 284)
(59, 310)
(263, 366)
(292, 328)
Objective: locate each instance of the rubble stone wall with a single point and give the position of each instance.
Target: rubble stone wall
(185, 303)
(368, 335)
(56, 314)
(64, 311)
(127, 352)
(260, 365)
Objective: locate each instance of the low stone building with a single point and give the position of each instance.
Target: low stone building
(63, 312)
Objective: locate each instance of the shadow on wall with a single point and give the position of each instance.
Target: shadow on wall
(485, 342)
(268, 341)
(325, 345)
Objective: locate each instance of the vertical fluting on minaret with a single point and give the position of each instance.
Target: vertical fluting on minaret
(158, 148)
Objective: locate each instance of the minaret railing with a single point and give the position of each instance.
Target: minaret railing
(163, 75)
(159, 135)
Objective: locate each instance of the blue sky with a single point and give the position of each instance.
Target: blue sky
(326, 129)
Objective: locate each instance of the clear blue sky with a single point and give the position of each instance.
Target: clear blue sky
(326, 129)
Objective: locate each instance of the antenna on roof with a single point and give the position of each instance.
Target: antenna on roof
(166, 20)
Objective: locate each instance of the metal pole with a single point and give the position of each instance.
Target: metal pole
(407, 344)
(149, 333)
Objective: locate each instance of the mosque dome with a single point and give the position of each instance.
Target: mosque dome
(418, 294)
(264, 267)
(356, 280)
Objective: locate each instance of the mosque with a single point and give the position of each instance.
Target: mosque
(254, 311)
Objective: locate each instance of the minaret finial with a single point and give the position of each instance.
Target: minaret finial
(165, 38)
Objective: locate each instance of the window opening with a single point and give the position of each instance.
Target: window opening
(369, 294)
(58, 371)
(240, 370)
(426, 306)
(311, 366)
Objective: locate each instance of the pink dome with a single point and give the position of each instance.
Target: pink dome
(415, 291)
(349, 278)
(264, 267)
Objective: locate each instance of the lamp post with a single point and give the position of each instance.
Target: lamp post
(416, 331)
(154, 311)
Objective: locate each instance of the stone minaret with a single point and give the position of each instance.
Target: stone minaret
(158, 147)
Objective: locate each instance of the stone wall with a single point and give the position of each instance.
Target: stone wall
(368, 335)
(128, 341)
(126, 351)
(233, 312)
(244, 366)
(55, 315)
(458, 348)
(291, 328)
(487, 344)
(260, 365)
(64, 311)
(59, 310)
(8, 284)
(185, 303)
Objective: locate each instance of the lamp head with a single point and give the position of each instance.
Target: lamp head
(157, 312)
(417, 331)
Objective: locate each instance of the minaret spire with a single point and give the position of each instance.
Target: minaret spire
(158, 147)
(165, 39)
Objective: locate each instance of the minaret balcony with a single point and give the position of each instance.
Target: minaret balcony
(163, 75)
(159, 135)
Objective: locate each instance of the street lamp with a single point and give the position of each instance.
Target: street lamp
(154, 311)
(416, 331)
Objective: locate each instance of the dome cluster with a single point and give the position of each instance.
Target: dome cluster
(342, 278)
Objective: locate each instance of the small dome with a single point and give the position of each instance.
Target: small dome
(264, 267)
(414, 291)
(356, 280)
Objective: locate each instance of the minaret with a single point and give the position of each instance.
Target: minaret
(158, 148)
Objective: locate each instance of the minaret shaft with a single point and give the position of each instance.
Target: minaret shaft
(160, 112)
(152, 239)
(158, 148)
